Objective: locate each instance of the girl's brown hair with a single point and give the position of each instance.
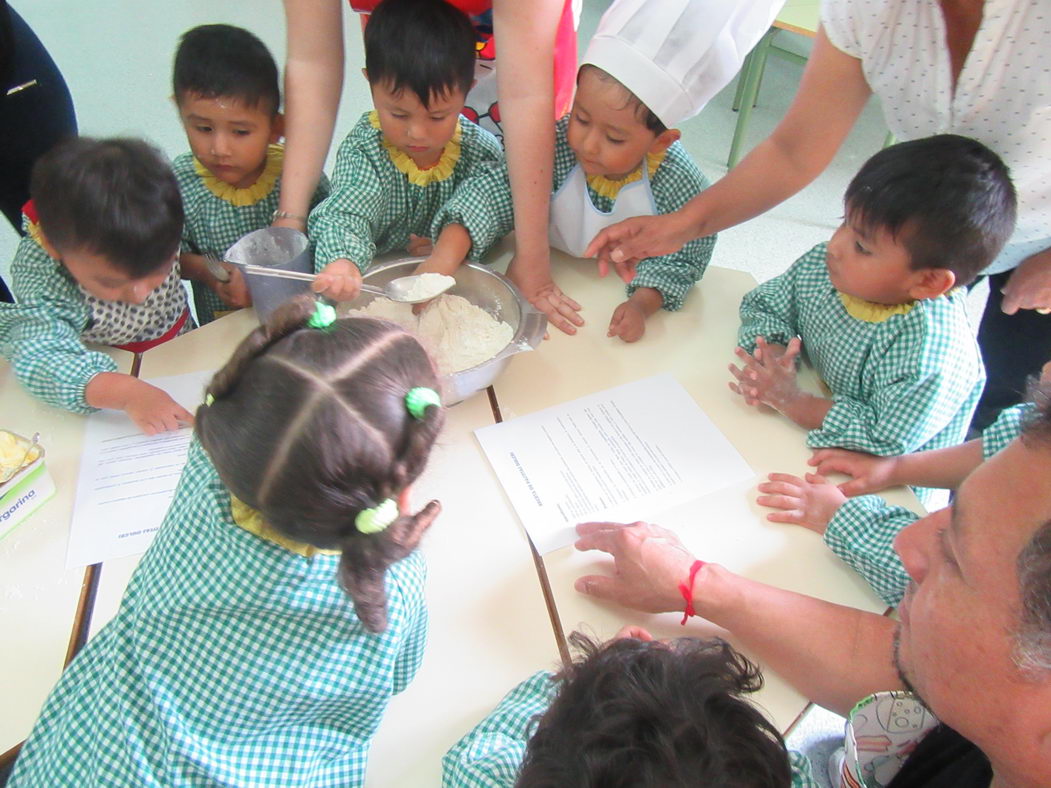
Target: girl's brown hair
(310, 427)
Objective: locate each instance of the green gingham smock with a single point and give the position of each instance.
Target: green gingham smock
(490, 755)
(42, 335)
(904, 384)
(218, 215)
(374, 207)
(674, 183)
(232, 661)
(863, 529)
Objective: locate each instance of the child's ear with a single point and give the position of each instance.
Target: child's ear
(931, 283)
(663, 140)
(277, 127)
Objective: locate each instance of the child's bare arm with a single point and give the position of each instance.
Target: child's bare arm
(152, 409)
(937, 468)
(629, 319)
(449, 252)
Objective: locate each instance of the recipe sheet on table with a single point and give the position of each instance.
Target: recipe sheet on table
(127, 479)
(623, 454)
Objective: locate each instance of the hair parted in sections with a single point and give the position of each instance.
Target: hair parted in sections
(949, 199)
(112, 197)
(427, 46)
(1033, 641)
(309, 426)
(633, 713)
(223, 61)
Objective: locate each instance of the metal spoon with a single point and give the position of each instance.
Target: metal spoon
(396, 289)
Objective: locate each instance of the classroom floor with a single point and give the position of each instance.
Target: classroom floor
(116, 57)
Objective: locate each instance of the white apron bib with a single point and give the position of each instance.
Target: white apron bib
(574, 220)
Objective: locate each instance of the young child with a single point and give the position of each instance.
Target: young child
(98, 264)
(282, 603)
(631, 712)
(861, 528)
(413, 168)
(878, 308)
(225, 89)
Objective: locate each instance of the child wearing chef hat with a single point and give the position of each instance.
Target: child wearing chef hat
(651, 65)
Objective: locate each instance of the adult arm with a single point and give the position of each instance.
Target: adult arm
(834, 655)
(832, 93)
(525, 35)
(1029, 286)
(313, 83)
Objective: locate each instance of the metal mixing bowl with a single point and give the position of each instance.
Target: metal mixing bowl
(487, 289)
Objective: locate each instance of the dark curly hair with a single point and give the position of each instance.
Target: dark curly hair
(310, 427)
(634, 713)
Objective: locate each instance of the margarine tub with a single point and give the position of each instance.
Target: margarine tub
(29, 485)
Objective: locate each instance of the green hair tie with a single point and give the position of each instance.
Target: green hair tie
(323, 317)
(208, 399)
(419, 399)
(376, 519)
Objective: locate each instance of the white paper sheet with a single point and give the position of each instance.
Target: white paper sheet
(624, 454)
(127, 479)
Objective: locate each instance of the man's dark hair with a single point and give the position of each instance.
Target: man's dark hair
(116, 198)
(223, 61)
(947, 198)
(427, 46)
(635, 713)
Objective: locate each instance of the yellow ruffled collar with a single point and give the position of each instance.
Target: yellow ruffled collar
(33, 230)
(604, 187)
(405, 165)
(252, 521)
(249, 195)
(870, 311)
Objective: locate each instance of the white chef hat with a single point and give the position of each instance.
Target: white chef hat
(675, 55)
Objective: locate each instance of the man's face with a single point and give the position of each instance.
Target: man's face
(960, 614)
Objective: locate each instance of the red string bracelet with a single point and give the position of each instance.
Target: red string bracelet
(686, 589)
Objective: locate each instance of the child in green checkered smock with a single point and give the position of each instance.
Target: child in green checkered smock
(282, 602)
(878, 310)
(97, 266)
(226, 90)
(617, 715)
(861, 529)
(413, 174)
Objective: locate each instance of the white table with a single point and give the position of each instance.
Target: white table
(39, 598)
(695, 345)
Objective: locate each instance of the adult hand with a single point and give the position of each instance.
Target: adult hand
(810, 502)
(624, 244)
(870, 473)
(542, 292)
(649, 562)
(1029, 286)
(340, 280)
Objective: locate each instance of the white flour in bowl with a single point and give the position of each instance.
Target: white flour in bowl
(458, 334)
(426, 286)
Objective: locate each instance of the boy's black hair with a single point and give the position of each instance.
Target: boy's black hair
(114, 197)
(634, 713)
(427, 46)
(215, 61)
(646, 115)
(949, 199)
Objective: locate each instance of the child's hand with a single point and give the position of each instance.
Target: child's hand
(809, 502)
(768, 376)
(419, 246)
(154, 411)
(340, 280)
(870, 473)
(233, 292)
(628, 322)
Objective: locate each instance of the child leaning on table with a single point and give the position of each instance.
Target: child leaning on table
(282, 602)
(98, 264)
(879, 308)
(861, 528)
(225, 88)
(631, 712)
(412, 171)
